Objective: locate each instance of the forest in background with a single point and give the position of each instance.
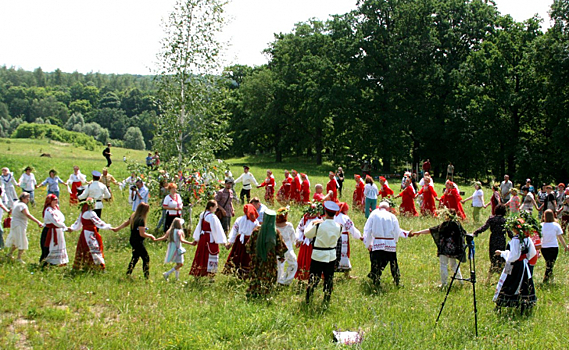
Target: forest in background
(394, 80)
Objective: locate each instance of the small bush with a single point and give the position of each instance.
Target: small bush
(53, 132)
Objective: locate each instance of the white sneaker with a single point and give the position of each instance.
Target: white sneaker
(165, 275)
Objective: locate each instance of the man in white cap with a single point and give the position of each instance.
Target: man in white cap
(326, 234)
(97, 191)
(247, 179)
(381, 233)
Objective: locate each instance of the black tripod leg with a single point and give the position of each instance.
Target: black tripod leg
(448, 291)
(473, 281)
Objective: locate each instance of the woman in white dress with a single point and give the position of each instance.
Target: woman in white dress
(9, 186)
(286, 276)
(52, 241)
(17, 238)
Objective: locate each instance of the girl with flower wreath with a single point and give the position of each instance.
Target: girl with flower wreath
(89, 253)
(285, 276)
(515, 287)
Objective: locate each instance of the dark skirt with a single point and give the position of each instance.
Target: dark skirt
(517, 289)
(205, 260)
(497, 242)
(239, 261)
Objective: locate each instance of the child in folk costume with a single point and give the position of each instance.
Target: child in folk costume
(408, 203)
(384, 188)
(451, 199)
(428, 206)
(75, 181)
(175, 252)
(9, 186)
(358, 197)
(52, 241)
(313, 212)
(269, 185)
(89, 252)
(343, 248)
(515, 288)
(450, 240)
(305, 189)
(208, 235)
(239, 262)
(285, 276)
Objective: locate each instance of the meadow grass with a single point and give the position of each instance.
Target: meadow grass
(56, 308)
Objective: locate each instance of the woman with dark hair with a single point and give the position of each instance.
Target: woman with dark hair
(495, 200)
(497, 238)
(52, 241)
(528, 201)
(137, 222)
(452, 199)
(265, 246)
(209, 235)
(239, 262)
(551, 232)
(52, 182)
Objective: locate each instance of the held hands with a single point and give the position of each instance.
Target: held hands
(498, 253)
(228, 245)
(193, 243)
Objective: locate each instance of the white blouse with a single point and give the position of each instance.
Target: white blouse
(217, 235)
(242, 227)
(90, 215)
(371, 191)
(173, 205)
(287, 233)
(55, 217)
(514, 253)
(347, 225)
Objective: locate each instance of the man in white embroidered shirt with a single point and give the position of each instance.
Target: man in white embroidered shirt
(381, 233)
(247, 179)
(97, 191)
(326, 234)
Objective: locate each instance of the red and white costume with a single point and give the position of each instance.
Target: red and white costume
(239, 261)
(295, 188)
(359, 198)
(348, 228)
(428, 207)
(408, 202)
(451, 199)
(305, 252)
(209, 234)
(305, 190)
(89, 252)
(54, 220)
(73, 183)
(384, 189)
(284, 193)
(332, 185)
(269, 185)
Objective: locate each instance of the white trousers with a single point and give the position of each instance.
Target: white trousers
(445, 260)
(286, 276)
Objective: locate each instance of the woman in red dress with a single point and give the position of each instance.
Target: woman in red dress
(359, 198)
(208, 235)
(451, 199)
(407, 207)
(269, 185)
(428, 207)
(305, 189)
(239, 261)
(305, 244)
(384, 189)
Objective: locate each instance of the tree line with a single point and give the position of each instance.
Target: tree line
(394, 80)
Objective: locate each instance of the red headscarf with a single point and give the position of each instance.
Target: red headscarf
(357, 177)
(50, 197)
(344, 207)
(250, 212)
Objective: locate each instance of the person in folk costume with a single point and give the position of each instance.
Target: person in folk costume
(173, 204)
(495, 200)
(239, 262)
(305, 189)
(296, 186)
(384, 188)
(358, 197)
(381, 233)
(325, 234)
(449, 238)
(515, 287)
(208, 235)
(52, 240)
(451, 199)
(9, 196)
(332, 185)
(284, 194)
(343, 247)
(286, 276)
(408, 199)
(496, 223)
(248, 180)
(266, 248)
(428, 206)
(76, 180)
(89, 253)
(137, 223)
(313, 212)
(175, 252)
(97, 191)
(269, 185)
(319, 194)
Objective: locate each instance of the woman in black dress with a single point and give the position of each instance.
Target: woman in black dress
(497, 238)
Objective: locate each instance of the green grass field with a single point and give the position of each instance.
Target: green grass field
(57, 309)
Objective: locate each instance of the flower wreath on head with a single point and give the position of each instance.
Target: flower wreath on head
(389, 201)
(283, 211)
(532, 222)
(315, 209)
(89, 201)
(518, 224)
(447, 213)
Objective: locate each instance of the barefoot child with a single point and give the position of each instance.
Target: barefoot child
(175, 252)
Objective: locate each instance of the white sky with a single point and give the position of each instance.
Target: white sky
(122, 36)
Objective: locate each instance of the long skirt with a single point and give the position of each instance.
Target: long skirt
(206, 258)
(515, 287)
(304, 259)
(239, 261)
(54, 241)
(73, 195)
(343, 253)
(270, 194)
(17, 237)
(89, 253)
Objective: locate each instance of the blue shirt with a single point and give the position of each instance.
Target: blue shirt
(137, 200)
(52, 183)
(149, 160)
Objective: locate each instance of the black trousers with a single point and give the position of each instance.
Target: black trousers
(549, 255)
(109, 161)
(169, 221)
(317, 269)
(139, 252)
(243, 194)
(99, 212)
(379, 260)
(44, 249)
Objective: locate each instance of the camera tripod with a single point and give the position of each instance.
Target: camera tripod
(472, 279)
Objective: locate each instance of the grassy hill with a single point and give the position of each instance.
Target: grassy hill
(57, 309)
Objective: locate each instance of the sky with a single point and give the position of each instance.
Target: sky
(122, 36)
